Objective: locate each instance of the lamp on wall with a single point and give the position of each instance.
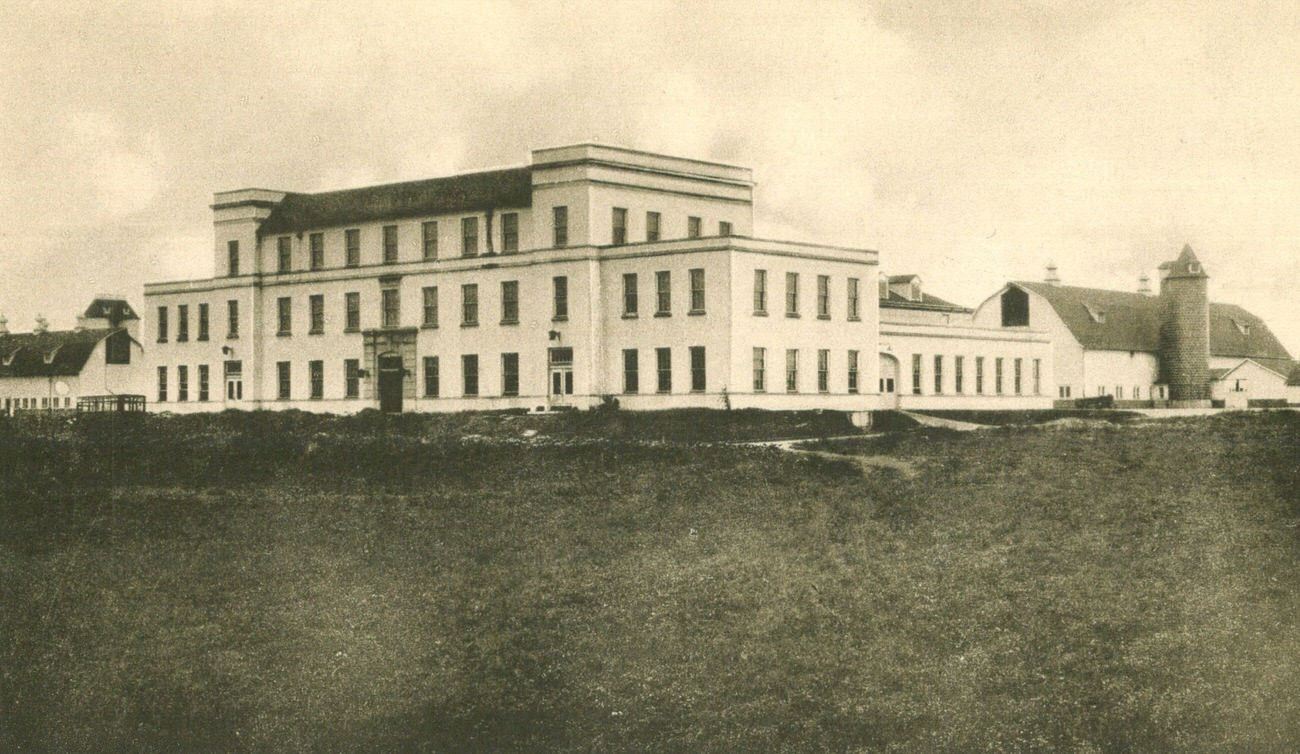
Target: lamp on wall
(227, 351)
(553, 334)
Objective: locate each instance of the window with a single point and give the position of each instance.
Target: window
(510, 374)
(697, 291)
(916, 374)
(182, 323)
(792, 294)
(117, 348)
(316, 308)
(823, 370)
(232, 257)
(203, 321)
(997, 375)
(284, 308)
(390, 302)
(560, 284)
(232, 320)
(958, 364)
(510, 302)
(853, 371)
(692, 227)
(510, 232)
(1137, 391)
(469, 374)
(1101, 390)
(760, 292)
(760, 370)
(352, 246)
(724, 228)
(560, 217)
(390, 244)
(1015, 375)
(1015, 308)
(162, 324)
(430, 294)
(629, 294)
(316, 375)
(317, 243)
(469, 236)
(791, 370)
(351, 378)
(182, 383)
(853, 313)
(204, 382)
(664, 365)
(652, 220)
(823, 297)
(938, 375)
(284, 251)
(429, 239)
(162, 384)
(619, 222)
(352, 307)
(663, 293)
(1038, 379)
(469, 305)
(979, 375)
(430, 376)
(1119, 390)
(282, 379)
(697, 369)
(1063, 391)
(631, 371)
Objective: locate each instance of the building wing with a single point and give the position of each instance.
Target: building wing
(48, 354)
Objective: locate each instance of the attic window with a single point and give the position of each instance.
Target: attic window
(1193, 267)
(1097, 315)
(49, 355)
(1243, 327)
(9, 360)
(915, 291)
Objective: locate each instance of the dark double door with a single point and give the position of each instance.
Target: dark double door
(391, 378)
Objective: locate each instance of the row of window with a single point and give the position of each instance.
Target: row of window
(653, 225)
(959, 383)
(183, 322)
(852, 292)
(11, 405)
(1154, 392)
(792, 370)
(183, 383)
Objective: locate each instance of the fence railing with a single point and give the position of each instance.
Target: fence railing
(111, 403)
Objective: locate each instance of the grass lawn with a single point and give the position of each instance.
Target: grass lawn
(270, 584)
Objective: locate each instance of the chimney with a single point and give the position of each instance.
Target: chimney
(42, 324)
(1052, 278)
(1144, 284)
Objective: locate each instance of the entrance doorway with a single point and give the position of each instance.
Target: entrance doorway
(234, 381)
(391, 377)
(888, 381)
(561, 368)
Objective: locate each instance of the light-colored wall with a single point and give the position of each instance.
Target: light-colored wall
(904, 340)
(1067, 355)
(1250, 381)
(96, 378)
(1119, 373)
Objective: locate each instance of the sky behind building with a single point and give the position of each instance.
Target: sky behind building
(971, 144)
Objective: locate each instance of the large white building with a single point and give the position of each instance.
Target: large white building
(593, 273)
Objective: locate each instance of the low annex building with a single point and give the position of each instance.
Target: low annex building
(46, 370)
(590, 275)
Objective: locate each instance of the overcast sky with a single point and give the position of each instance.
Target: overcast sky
(969, 146)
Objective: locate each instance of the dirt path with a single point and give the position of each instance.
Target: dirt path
(934, 421)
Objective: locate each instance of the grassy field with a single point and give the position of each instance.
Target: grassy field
(264, 583)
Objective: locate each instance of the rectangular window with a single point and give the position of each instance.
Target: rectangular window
(1119, 392)
(1038, 379)
(792, 370)
(352, 247)
(162, 384)
(390, 301)
(390, 244)
(652, 220)
(619, 222)
(430, 294)
(631, 371)
(429, 239)
(430, 376)
(284, 310)
(1015, 376)
(979, 375)
(469, 236)
(351, 378)
(792, 294)
(958, 366)
(182, 383)
(204, 382)
(997, 375)
(760, 370)
(232, 320)
(232, 257)
(692, 227)
(760, 292)
(560, 218)
(724, 228)
(663, 293)
(853, 312)
(823, 297)
(203, 321)
(469, 305)
(510, 233)
(284, 252)
(352, 306)
(316, 375)
(162, 324)
(469, 373)
(316, 306)
(938, 375)
(317, 243)
(698, 375)
(664, 365)
(853, 371)
(182, 323)
(560, 284)
(823, 371)
(510, 374)
(697, 291)
(510, 302)
(629, 294)
(916, 374)
(282, 380)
